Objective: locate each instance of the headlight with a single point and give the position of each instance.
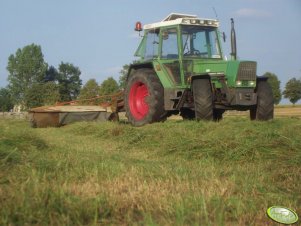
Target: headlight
(238, 83)
(251, 83)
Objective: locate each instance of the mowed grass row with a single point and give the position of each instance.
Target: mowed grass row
(279, 112)
(172, 173)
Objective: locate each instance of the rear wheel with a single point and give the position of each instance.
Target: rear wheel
(144, 98)
(264, 110)
(203, 100)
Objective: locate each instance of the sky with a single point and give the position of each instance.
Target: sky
(98, 35)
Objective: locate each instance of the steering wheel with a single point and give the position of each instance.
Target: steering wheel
(195, 52)
(192, 52)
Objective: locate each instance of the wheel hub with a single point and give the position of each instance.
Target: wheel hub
(139, 108)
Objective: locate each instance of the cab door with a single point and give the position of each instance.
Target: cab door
(170, 54)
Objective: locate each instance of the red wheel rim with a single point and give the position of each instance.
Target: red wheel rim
(138, 106)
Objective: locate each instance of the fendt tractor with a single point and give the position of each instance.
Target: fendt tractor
(182, 69)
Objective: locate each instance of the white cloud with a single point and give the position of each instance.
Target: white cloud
(254, 13)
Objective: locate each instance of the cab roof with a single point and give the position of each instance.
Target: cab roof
(185, 19)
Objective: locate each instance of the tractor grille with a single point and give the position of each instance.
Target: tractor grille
(247, 71)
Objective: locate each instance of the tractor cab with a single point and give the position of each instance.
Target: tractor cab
(181, 36)
(179, 44)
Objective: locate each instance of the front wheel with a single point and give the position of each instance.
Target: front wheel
(203, 99)
(144, 98)
(264, 110)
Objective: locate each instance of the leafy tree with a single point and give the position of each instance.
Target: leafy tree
(51, 75)
(51, 93)
(6, 103)
(42, 94)
(123, 74)
(275, 85)
(69, 81)
(26, 68)
(89, 90)
(292, 90)
(122, 77)
(108, 86)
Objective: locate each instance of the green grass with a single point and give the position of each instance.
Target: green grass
(172, 173)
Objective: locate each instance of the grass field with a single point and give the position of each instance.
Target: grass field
(172, 173)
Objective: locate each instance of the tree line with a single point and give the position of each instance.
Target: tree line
(32, 82)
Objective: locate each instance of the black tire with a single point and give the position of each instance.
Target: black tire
(264, 110)
(144, 98)
(203, 99)
(187, 114)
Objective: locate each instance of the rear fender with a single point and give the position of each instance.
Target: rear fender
(261, 79)
(134, 67)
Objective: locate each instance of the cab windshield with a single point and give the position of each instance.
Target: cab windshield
(200, 42)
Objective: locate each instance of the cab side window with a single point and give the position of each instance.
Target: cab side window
(169, 44)
(152, 44)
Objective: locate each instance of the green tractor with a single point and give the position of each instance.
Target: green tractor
(182, 69)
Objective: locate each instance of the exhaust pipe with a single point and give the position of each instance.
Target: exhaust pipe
(233, 41)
